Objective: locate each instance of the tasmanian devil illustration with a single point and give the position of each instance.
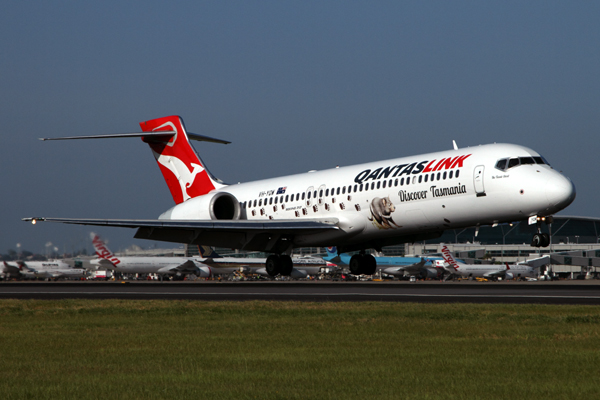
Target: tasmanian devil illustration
(381, 212)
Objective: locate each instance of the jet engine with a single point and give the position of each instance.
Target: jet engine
(214, 206)
(428, 273)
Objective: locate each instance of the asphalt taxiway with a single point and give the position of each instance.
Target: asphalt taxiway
(573, 292)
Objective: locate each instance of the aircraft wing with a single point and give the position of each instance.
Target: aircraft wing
(337, 260)
(495, 274)
(268, 235)
(413, 268)
(537, 262)
(188, 267)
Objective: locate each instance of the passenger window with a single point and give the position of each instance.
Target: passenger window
(321, 193)
(287, 197)
(378, 185)
(438, 176)
(276, 199)
(271, 201)
(420, 178)
(361, 187)
(260, 203)
(444, 177)
(396, 182)
(384, 184)
(372, 185)
(457, 171)
(338, 191)
(308, 196)
(426, 178)
(450, 174)
(303, 194)
(355, 188)
(402, 182)
(327, 193)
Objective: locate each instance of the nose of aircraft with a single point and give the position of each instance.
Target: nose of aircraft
(560, 192)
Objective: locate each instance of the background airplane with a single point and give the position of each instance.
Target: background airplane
(302, 266)
(172, 266)
(53, 269)
(488, 271)
(419, 267)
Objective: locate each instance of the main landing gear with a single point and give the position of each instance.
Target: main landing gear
(279, 264)
(362, 264)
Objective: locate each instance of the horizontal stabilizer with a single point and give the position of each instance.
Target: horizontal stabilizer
(147, 135)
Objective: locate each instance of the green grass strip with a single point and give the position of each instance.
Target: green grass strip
(82, 349)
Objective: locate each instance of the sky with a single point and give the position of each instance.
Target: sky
(294, 85)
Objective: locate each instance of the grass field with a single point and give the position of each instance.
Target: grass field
(83, 349)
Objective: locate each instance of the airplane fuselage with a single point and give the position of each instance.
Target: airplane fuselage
(400, 200)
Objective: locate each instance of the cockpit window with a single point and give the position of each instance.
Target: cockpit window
(501, 164)
(506, 163)
(513, 162)
(526, 160)
(541, 160)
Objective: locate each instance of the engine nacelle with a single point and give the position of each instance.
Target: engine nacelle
(428, 273)
(224, 205)
(214, 206)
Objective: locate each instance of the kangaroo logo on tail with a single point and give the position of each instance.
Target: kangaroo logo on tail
(181, 167)
(102, 251)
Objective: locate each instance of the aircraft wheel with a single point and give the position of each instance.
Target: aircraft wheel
(273, 265)
(537, 240)
(287, 265)
(369, 264)
(545, 240)
(356, 264)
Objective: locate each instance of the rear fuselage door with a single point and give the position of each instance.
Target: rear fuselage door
(478, 180)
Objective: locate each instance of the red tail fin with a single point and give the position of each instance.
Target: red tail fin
(181, 167)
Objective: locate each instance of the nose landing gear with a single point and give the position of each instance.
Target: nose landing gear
(541, 239)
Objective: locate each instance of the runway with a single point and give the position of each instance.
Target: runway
(578, 292)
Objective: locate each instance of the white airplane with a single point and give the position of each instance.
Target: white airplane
(354, 208)
(175, 266)
(488, 271)
(302, 266)
(53, 269)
